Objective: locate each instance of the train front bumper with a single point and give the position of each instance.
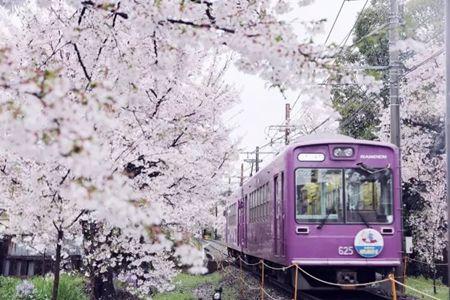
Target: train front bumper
(346, 262)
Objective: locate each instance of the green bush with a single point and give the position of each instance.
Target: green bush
(70, 288)
(8, 287)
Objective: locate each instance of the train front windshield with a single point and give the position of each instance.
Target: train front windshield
(344, 196)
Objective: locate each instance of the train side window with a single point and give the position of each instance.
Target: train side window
(254, 206)
(251, 208)
(267, 199)
(261, 204)
(255, 202)
(257, 205)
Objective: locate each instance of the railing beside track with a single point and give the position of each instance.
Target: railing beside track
(391, 278)
(263, 291)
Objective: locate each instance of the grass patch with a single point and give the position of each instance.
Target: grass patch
(230, 293)
(186, 283)
(8, 287)
(70, 288)
(426, 286)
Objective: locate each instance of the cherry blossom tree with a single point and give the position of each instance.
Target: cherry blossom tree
(114, 107)
(423, 159)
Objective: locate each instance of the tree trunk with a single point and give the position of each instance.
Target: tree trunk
(103, 286)
(434, 281)
(57, 266)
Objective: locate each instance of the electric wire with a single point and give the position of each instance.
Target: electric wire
(334, 23)
(354, 25)
(341, 45)
(425, 61)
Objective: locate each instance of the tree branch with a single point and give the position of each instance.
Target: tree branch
(80, 60)
(155, 47)
(176, 140)
(195, 25)
(64, 177)
(160, 101)
(84, 211)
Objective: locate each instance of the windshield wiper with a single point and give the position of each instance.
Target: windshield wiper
(362, 218)
(370, 170)
(322, 222)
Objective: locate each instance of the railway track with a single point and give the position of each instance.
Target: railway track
(218, 252)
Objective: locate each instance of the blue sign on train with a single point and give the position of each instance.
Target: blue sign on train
(369, 243)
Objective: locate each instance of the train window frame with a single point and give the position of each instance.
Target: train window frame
(232, 215)
(252, 207)
(319, 218)
(344, 222)
(391, 194)
(258, 204)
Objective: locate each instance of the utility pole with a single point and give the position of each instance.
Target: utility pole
(287, 130)
(257, 159)
(447, 125)
(242, 175)
(394, 73)
(254, 161)
(394, 76)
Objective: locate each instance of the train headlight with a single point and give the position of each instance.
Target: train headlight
(343, 152)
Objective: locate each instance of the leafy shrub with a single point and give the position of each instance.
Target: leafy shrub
(25, 290)
(8, 287)
(70, 288)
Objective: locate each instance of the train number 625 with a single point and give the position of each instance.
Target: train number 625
(345, 250)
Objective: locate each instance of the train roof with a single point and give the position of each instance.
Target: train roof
(326, 138)
(316, 139)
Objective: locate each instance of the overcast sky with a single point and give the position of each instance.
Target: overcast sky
(260, 106)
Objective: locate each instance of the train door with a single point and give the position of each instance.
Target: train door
(242, 226)
(278, 215)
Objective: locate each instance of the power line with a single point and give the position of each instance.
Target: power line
(367, 103)
(374, 31)
(342, 44)
(320, 125)
(334, 23)
(425, 61)
(272, 141)
(353, 116)
(296, 100)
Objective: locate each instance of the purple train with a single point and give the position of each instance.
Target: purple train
(330, 205)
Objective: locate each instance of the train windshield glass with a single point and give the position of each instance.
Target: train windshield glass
(368, 196)
(319, 195)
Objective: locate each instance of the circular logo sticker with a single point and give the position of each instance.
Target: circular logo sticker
(369, 243)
